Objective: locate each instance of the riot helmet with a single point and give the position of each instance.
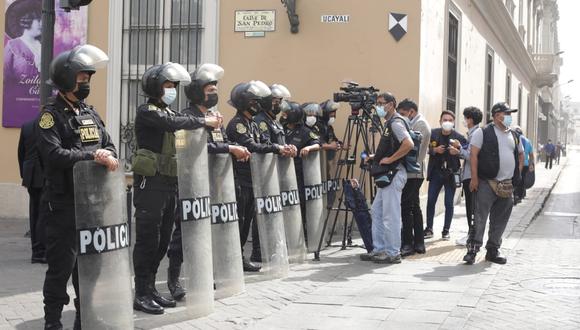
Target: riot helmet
(294, 114)
(154, 77)
(311, 111)
(204, 75)
(328, 107)
(247, 96)
(65, 67)
(279, 94)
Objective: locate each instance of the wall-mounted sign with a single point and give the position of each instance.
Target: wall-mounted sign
(335, 18)
(397, 25)
(255, 21)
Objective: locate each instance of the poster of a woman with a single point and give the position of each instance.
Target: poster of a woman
(22, 48)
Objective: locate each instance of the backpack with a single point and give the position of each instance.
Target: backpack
(411, 160)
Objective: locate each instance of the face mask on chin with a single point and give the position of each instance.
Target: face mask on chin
(331, 121)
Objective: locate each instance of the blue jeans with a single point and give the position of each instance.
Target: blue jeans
(386, 216)
(435, 184)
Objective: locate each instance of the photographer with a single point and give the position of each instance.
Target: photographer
(412, 216)
(443, 170)
(390, 177)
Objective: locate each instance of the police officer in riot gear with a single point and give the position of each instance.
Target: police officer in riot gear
(202, 94)
(270, 129)
(304, 140)
(243, 130)
(325, 128)
(69, 131)
(155, 178)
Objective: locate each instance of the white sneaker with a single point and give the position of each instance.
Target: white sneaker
(462, 241)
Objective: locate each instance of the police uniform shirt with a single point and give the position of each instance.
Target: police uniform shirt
(270, 129)
(245, 132)
(217, 140)
(64, 138)
(301, 137)
(153, 120)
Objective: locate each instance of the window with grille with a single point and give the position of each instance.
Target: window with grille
(452, 65)
(488, 84)
(154, 32)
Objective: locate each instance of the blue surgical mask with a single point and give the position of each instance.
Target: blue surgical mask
(380, 111)
(507, 121)
(169, 95)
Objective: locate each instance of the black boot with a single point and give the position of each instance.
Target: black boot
(495, 256)
(158, 298)
(175, 288)
(143, 301)
(250, 266)
(53, 325)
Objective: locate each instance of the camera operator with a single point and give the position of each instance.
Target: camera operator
(390, 177)
(443, 170)
(412, 216)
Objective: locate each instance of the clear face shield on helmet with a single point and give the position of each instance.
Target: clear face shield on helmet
(209, 72)
(259, 89)
(280, 91)
(175, 72)
(89, 55)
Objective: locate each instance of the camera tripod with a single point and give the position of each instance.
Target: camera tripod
(359, 128)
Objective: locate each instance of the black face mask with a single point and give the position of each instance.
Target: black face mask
(84, 89)
(276, 109)
(283, 121)
(254, 109)
(212, 100)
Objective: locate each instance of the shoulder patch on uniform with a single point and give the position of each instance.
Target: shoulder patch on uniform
(240, 128)
(433, 144)
(152, 107)
(46, 121)
(313, 135)
(263, 126)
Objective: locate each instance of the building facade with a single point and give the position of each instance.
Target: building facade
(445, 54)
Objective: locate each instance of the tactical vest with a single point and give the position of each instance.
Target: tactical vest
(488, 157)
(83, 128)
(388, 145)
(148, 163)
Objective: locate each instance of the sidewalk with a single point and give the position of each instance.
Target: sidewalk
(427, 291)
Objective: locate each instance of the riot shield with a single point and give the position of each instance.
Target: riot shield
(103, 240)
(269, 215)
(313, 199)
(228, 272)
(325, 186)
(194, 212)
(291, 210)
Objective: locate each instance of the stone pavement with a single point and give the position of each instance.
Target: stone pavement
(536, 289)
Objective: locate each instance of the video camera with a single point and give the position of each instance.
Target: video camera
(358, 97)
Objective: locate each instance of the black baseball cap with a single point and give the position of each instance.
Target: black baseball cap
(502, 107)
